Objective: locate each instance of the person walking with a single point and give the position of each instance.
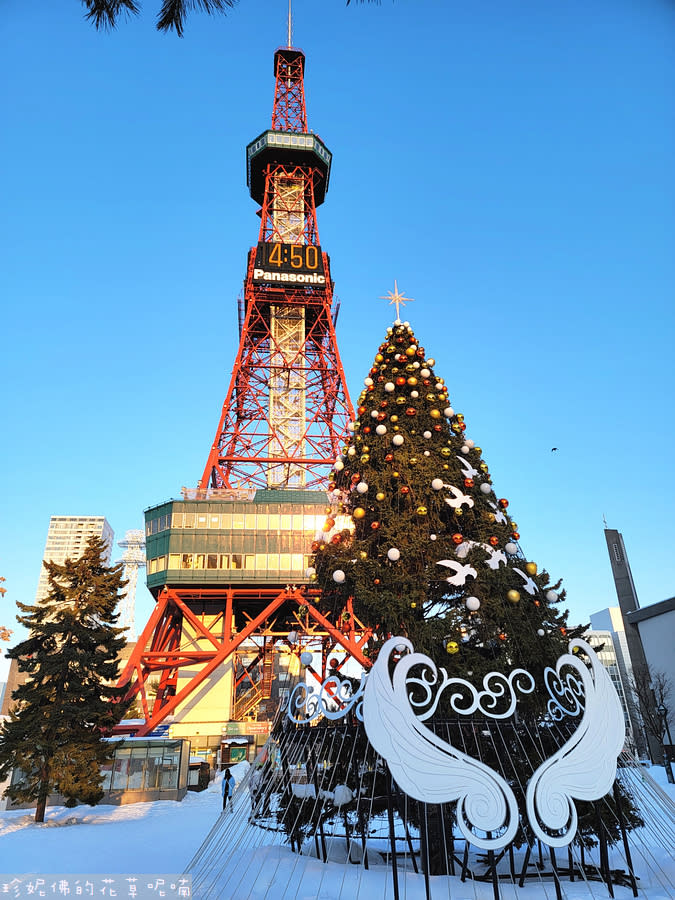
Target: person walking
(227, 787)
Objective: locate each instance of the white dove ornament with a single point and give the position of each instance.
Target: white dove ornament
(462, 572)
(424, 765)
(459, 498)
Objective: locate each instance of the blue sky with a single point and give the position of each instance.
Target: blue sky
(509, 162)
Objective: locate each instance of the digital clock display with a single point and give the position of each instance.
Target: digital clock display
(289, 263)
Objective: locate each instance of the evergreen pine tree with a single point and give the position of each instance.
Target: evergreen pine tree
(433, 554)
(69, 702)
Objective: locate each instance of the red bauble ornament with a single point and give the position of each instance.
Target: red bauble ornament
(389, 457)
(356, 477)
(411, 411)
(468, 482)
(400, 381)
(366, 429)
(515, 535)
(336, 539)
(405, 489)
(371, 387)
(376, 580)
(493, 541)
(384, 404)
(315, 546)
(381, 417)
(374, 525)
(503, 503)
(502, 636)
(457, 538)
(361, 410)
(461, 424)
(331, 486)
(438, 428)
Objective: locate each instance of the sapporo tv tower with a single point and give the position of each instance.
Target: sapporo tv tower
(227, 563)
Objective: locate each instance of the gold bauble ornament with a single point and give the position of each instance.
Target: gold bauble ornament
(478, 450)
(460, 417)
(483, 467)
(358, 513)
(458, 511)
(365, 458)
(413, 605)
(513, 596)
(452, 647)
(393, 418)
(412, 381)
(379, 495)
(446, 466)
(431, 363)
(446, 452)
(395, 474)
(410, 368)
(531, 567)
(379, 358)
(435, 413)
(400, 401)
(421, 510)
(413, 460)
(411, 351)
(363, 554)
(431, 397)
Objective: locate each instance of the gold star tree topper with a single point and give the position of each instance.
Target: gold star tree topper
(399, 299)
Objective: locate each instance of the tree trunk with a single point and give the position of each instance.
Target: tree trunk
(42, 795)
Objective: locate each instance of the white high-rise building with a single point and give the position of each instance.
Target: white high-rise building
(66, 539)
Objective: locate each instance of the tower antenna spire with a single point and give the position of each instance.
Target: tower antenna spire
(290, 20)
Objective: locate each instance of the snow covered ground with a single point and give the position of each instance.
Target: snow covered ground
(161, 839)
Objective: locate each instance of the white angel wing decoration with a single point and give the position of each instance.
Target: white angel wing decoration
(424, 765)
(585, 766)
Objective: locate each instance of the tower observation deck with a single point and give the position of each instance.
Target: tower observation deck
(227, 562)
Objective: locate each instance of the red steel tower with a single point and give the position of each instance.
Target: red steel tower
(287, 407)
(227, 563)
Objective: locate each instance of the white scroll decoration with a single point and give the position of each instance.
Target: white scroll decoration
(466, 699)
(584, 768)
(468, 470)
(334, 699)
(530, 585)
(461, 572)
(424, 765)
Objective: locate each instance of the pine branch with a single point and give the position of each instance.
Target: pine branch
(105, 13)
(172, 14)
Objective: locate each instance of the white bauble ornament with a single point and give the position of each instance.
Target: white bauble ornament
(374, 414)
(427, 453)
(351, 451)
(541, 632)
(381, 429)
(551, 596)
(414, 394)
(470, 444)
(306, 658)
(338, 576)
(432, 537)
(394, 554)
(486, 488)
(292, 636)
(472, 604)
(439, 386)
(362, 487)
(337, 492)
(465, 449)
(367, 381)
(448, 411)
(339, 465)
(390, 330)
(389, 387)
(425, 373)
(351, 426)
(437, 484)
(511, 548)
(342, 795)
(397, 440)
(416, 365)
(426, 434)
(309, 571)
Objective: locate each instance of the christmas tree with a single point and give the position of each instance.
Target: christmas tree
(68, 703)
(434, 553)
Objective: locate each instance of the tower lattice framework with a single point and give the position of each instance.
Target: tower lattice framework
(287, 406)
(283, 423)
